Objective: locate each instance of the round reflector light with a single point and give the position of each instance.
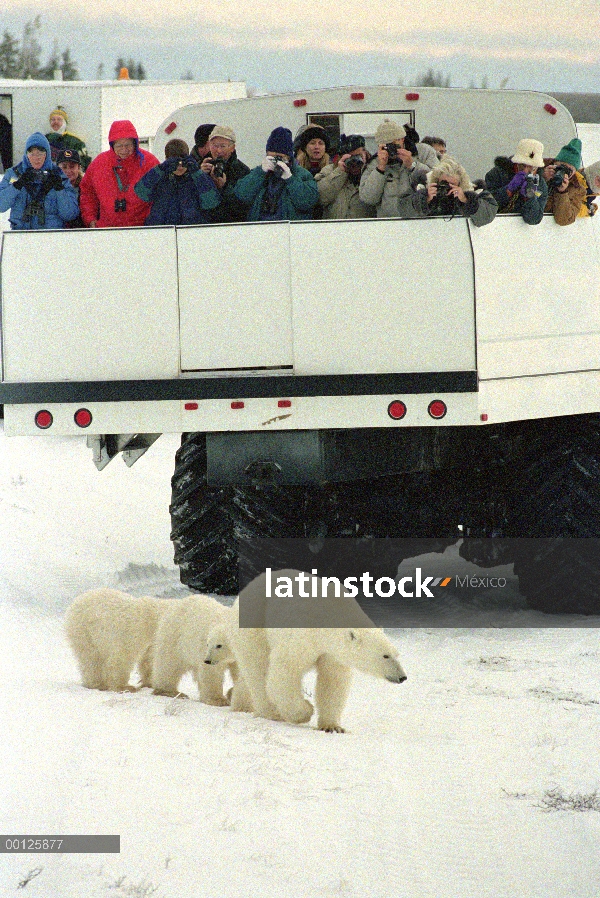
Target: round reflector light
(437, 408)
(83, 417)
(43, 419)
(396, 409)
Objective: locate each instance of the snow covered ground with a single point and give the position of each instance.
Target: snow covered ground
(477, 778)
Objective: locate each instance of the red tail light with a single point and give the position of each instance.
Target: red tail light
(83, 417)
(43, 419)
(396, 409)
(437, 408)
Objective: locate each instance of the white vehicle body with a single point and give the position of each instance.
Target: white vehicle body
(92, 106)
(334, 319)
(377, 378)
(502, 322)
(476, 125)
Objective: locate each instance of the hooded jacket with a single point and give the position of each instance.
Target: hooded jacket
(107, 194)
(39, 205)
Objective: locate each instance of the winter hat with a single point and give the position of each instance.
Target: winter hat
(68, 156)
(388, 131)
(591, 173)
(176, 149)
(571, 153)
(280, 141)
(351, 142)
(37, 140)
(202, 133)
(529, 152)
(59, 111)
(223, 131)
(310, 133)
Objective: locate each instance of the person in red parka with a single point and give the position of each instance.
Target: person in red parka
(106, 195)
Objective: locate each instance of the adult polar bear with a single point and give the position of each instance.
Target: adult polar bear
(273, 660)
(110, 633)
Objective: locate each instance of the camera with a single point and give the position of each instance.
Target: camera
(392, 151)
(557, 178)
(277, 171)
(532, 184)
(443, 189)
(120, 205)
(444, 202)
(218, 169)
(354, 165)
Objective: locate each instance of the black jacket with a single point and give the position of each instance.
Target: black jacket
(231, 208)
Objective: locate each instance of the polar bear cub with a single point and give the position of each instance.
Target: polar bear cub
(110, 632)
(180, 648)
(334, 653)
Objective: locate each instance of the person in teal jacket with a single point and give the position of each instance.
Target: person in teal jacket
(278, 189)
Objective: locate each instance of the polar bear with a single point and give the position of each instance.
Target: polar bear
(273, 660)
(110, 632)
(333, 652)
(250, 651)
(180, 648)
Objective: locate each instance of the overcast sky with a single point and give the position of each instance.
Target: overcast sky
(279, 45)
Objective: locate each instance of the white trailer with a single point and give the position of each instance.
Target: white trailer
(476, 126)
(92, 106)
(378, 377)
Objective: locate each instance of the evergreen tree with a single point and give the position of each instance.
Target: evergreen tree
(68, 66)
(9, 56)
(47, 71)
(136, 69)
(432, 79)
(31, 51)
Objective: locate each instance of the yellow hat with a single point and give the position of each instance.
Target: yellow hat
(59, 111)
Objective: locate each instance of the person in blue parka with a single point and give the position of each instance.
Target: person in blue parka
(279, 189)
(180, 193)
(36, 191)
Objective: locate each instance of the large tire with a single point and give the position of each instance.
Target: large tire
(556, 505)
(207, 522)
(201, 529)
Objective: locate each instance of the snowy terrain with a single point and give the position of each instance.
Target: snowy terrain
(477, 778)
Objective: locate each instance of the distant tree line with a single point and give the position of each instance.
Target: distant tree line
(22, 58)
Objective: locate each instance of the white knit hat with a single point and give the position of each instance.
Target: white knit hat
(592, 172)
(388, 131)
(530, 152)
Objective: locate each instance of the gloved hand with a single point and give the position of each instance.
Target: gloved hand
(191, 164)
(27, 178)
(54, 181)
(287, 173)
(268, 164)
(169, 165)
(517, 184)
